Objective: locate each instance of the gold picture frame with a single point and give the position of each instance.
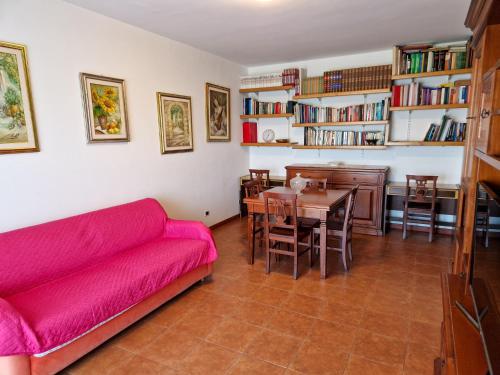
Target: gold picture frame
(105, 108)
(218, 113)
(18, 131)
(175, 122)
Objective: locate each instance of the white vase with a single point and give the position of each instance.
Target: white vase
(298, 184)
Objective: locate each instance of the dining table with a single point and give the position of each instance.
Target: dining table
(317, 204)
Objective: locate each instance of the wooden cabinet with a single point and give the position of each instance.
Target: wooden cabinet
(369, 201)
(489, 115)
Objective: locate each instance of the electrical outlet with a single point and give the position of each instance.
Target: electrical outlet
(207, 213)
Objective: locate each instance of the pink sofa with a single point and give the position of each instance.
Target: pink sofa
(68, 285)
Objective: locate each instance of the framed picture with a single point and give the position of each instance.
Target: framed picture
(174, 118)
(17, 118)
(218, 109)
(105, 108)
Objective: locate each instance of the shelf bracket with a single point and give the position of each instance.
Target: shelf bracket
(408, 131)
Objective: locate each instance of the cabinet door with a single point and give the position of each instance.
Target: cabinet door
(366, 209)
(489, 131)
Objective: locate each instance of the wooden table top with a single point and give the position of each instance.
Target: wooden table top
(321, 200)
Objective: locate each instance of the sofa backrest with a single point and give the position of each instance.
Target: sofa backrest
(35, 255)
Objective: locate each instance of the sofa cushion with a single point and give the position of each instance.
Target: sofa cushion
(45, 252)
(60, 310)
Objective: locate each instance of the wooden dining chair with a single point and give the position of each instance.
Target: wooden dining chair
(262, 175)
(281, 227)
(420, 207)
(339, 233)
(252, 190)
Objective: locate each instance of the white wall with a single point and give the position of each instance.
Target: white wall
(445, 162)
(70, 176)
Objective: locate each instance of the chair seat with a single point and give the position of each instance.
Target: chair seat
(308, 222)
(282, 232)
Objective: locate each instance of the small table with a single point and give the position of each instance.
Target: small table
(444, 191)
(314, 205)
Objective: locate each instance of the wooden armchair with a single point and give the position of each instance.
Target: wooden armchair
(252, 189)
(262, 175)
(420, 207)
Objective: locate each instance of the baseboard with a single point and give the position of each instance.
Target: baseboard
(216, 225)
(415, 228)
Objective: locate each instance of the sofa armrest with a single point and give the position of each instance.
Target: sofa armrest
(194, 230)
(16, 336)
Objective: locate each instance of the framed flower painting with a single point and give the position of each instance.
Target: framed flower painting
(105, 108)
(17, 119)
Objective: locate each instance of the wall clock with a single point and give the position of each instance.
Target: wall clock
(268, 135)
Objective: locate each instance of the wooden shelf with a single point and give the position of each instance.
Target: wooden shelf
(343, 93)
(427, 107)
(272, 88)
(262, 144)
(433, 74)
(339, 147)
(338, 123)
(279, 115)
(424, 143)
(494, 161)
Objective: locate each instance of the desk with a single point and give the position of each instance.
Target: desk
(314, 205)
(444, 191)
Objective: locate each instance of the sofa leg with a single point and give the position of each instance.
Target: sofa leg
(15, 365)
(206, 279)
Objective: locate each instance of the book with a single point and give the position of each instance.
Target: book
(249, 132)
(448, 130)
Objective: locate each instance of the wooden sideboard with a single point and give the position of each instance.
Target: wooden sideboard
(371, 179)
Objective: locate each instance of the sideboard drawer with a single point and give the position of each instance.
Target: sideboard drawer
(355, 178)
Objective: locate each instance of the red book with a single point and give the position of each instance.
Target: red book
(249, 132)
(396, 90)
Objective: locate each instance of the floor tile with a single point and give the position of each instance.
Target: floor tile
(140, 365)
(269, 296)
(385, 324)
(254, 313)
(233, 334)
(208, 359)
(379, 348)
(361, 366)
(425, 334)
(340, 313)
(252, 366)
(420, 360)
(313, 360)
(102, 360)
(274, 347)
(303, 304)
(198, 323)
(138, 335)
(290, 323)
(329, 335)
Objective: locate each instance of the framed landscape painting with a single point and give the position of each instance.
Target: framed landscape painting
(174, 118)
(17, 119)
(218, 110)
(105, 108)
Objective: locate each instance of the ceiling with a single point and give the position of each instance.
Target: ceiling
(258, 32)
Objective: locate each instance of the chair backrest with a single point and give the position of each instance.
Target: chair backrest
(316, 184)
(280, 212)
(262, 174)
(253, 188)
(349, 209)
(422, 189)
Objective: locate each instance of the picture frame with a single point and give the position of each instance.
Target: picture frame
(18, 131)
(105, 108)
(175, 123)
(218, 113)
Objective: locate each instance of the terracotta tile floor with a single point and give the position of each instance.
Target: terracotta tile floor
(382, 317)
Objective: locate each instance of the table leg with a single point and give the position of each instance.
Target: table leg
(322, 246)
(250, 236)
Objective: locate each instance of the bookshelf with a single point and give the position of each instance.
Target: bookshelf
(304, 147)
(428, 107)
(274, 115)
(343, 93)
(264, 89)
(263, 144)
(425, 143)
(450, 72)
(339, 123)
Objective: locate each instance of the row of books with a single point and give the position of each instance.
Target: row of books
(356, 79)
(448, 130)
(312, 85)
(252, 106)
(379, 111)
(261, 80)
(421, 58)
(417, 94)
(316, 137)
